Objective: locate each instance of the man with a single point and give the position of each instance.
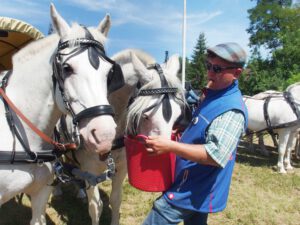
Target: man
(206, 151)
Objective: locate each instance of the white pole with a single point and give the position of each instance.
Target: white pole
(183, 44)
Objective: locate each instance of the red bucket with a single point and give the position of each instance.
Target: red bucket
(147, 172)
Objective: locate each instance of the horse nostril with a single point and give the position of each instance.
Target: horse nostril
(95, 136)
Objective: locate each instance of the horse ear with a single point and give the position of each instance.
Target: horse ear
(173, 64)
(140, 69)
(58, 22)
(104, 25)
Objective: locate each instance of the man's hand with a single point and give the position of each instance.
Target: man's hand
(158, 145)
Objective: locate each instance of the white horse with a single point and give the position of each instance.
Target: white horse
(63, 72)
(280, 112)
(136, 74)
(261, 96)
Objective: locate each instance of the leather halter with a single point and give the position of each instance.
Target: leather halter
(28, 156)
(95, 50)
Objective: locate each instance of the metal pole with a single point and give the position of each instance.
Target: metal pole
(183, 44)
(166, 56)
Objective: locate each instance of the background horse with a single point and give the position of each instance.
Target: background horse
(280, 112)
(262, 149)
(137, 77)
(62, 73)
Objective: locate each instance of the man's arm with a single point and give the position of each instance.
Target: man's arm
(222, 138)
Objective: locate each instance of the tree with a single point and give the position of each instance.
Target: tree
(267, 21)
(274, 24)
(196, 66)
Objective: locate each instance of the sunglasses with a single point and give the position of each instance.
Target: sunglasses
(218, 68)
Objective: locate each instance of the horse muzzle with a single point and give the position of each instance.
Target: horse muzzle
(98, 133)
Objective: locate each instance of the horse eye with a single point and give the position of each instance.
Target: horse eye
(145, 117)
(67, 69)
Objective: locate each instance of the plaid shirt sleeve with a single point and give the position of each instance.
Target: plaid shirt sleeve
(223, 136)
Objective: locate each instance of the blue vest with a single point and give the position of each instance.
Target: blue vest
(205, 188)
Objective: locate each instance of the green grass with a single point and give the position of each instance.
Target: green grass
(258, 195)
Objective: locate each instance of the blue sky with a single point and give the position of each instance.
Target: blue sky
(152, 25)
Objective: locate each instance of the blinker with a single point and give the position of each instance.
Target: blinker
(115, 79)
(167, 110)
(93, 57)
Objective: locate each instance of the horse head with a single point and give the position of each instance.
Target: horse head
(83, 76)
(160, 100)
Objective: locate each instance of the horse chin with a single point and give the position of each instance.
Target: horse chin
(98, 133)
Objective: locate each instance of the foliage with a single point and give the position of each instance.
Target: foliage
(196, 70)
(267, 20)
(259, 81)
(275, 25)
(293, 79)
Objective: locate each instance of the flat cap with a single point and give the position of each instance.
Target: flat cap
(231, 52)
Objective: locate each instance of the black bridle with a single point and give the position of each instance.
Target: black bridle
(95, 50)
(165, 90)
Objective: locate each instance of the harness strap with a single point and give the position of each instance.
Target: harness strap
(118, 143)
(5, 79)
(94, 111)
(24, 157)
(70, 173)
(33, 127)
(268, 121)
(157, 91)
(167, 112)
(65, 137)
(279, 126)
(13, 128)
(290, 100)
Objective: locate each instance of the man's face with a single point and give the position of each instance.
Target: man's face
(220, 73)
